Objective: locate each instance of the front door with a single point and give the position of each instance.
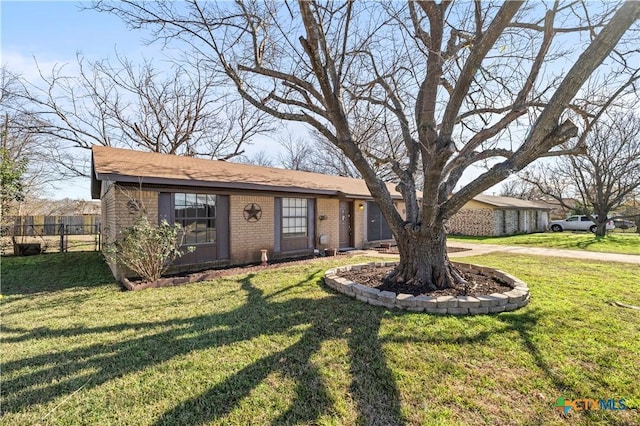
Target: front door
(346, 224)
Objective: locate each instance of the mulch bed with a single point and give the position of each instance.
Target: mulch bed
(190, 277)
(370, 278)
(482, 285)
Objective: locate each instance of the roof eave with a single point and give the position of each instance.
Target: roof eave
(113, 177)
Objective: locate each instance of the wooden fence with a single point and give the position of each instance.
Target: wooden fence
(53, 225)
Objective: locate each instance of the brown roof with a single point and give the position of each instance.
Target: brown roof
(123, 165)
(509, 202)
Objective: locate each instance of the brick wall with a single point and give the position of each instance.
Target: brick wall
(498, 222)
(120, 209)
(248, 238)
(121, 206)
(487, 222)
(131, 203)
(512, 220)
(537, 221)
(108, 210)
(476, 222)
(400, 206)
(543, 221)
(330, 226)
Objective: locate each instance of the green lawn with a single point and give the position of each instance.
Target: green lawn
(277, 347)
(612, 243)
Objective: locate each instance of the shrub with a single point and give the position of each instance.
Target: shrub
(148, 250)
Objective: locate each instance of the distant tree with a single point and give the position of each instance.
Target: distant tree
(630, 209)
(23, 148)
(605, 176)
(313, 153)
(260, 158)
(12, 189)
(296, 153)
(450, 80)
(181, 110)
(519, 188)
(329, 159)
(12, 186)
(382, 150)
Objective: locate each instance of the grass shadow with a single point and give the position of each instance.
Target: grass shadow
(45, 377)
(33, 274)
(524, 323)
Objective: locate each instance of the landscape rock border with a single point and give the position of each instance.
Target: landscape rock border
(511, 300)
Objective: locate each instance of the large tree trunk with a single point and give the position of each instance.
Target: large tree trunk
(424, 259)
(601, 229)
(601, 218)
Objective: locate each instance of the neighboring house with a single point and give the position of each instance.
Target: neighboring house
(233, 211)
(488, 215)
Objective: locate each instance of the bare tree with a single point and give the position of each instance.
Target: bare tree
(630, 209)
(519, 188)
(260, 158)
(23, 168)
(315, 153)
(23, 145)
(296, 153)
(181, 110)
(452, 80)
(605, 176)
(381, 151)
(329, 159)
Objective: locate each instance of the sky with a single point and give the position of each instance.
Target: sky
(52, 33)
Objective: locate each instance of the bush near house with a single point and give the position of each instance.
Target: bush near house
(148, 250)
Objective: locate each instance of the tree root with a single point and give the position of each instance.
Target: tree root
(460, 283)
(448, 278)
(623, 305)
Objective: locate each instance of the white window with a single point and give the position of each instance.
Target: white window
(294, 217)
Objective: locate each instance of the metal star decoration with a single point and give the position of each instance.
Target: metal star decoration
(252, 212)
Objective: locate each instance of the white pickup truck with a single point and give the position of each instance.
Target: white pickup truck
(577, 223)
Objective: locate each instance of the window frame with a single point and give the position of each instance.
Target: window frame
(298, 213)
(205, 210)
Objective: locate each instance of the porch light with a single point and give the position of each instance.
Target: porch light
(361, 206)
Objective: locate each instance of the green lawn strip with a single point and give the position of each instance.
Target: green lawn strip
(612, 243)
(277, 347)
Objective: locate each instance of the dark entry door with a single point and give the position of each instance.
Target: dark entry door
(377, 228)
(346, 224)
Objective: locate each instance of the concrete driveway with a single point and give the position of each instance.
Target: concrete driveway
(478, 249)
